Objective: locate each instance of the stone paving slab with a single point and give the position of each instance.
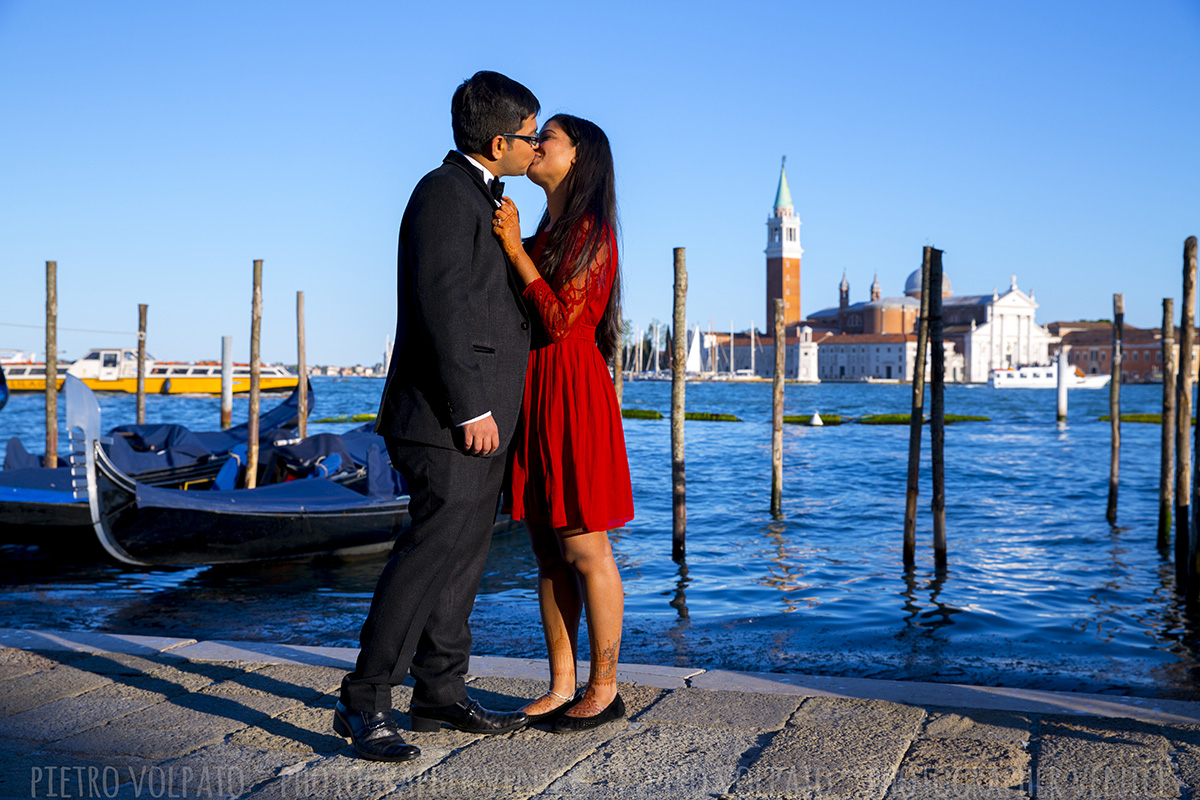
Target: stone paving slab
(258, 724)
(15, 663)
(966, 762)
(266, 653)
(834, 748)
(36, 689)
(659, 761)
(26, 774)
(711, 709)
(987, 726)
(1092, 759)
(88, 642)
(953, 695)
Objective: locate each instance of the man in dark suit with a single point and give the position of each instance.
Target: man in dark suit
(448, 412)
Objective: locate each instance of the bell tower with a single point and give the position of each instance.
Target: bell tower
(783, 255)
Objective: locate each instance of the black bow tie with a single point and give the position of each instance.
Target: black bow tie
(497, 189)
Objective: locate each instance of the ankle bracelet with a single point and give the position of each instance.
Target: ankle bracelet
(553, 693)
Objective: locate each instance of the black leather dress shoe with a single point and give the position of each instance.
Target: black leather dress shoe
(615, 710)
(466, 715)
(374, 734)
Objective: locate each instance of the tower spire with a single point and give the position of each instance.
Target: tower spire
(783, 253)
(783, 195)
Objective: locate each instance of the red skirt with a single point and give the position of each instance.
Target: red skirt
(569, 467)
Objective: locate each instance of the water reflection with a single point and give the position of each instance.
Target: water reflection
(679, 601)
(919, 616)
(785, 567)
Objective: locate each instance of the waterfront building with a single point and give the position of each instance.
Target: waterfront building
(783, 256)
(988, 331)
(879, 357)
(1091, 347)
(754, 355)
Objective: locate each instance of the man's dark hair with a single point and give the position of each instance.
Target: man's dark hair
(487, 105)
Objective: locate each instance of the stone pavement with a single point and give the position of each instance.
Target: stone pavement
(104, 715)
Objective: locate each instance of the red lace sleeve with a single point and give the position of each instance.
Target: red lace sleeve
(561, 308)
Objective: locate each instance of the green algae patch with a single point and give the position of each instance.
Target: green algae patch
(806, 419)
(640, 413)
(704, 416)
(347, 418)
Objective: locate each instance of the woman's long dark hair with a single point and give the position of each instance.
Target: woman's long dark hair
(592, 208)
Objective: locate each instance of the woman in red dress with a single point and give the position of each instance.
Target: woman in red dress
(570, 475)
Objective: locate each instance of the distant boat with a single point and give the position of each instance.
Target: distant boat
(115, 370)
(1044, 377)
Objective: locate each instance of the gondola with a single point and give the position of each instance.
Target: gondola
(38, 504)
(318, 514)
(3, 388)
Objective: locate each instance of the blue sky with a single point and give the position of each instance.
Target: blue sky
(154, 149)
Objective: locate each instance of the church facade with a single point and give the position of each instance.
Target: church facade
(991, 331)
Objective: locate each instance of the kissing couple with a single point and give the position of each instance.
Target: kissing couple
(499, 381)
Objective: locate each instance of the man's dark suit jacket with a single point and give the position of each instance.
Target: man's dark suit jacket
(462, 331)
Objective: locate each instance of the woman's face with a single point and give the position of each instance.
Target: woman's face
(554, 157)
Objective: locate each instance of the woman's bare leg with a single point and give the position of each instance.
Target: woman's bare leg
(590, 555)
(560, 604)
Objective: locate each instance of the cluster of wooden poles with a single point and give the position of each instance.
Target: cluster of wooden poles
(51, 459)
(1177, 478)
(678, 385)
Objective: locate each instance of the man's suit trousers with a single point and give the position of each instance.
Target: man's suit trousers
(418, 620)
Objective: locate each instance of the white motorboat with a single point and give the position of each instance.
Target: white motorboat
(1044, 376)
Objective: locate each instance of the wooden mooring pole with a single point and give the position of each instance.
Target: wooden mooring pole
(777, 412)
(1114, 405)
(301, 369)
(1183, 422)
(51, 457)
(937, 407)
(619, 370)
(141, 365)
(917, 418)
(1189, 263)
(678, 384)
(255, 377)
(1064, 366)
(226, 382)
(1166, 478)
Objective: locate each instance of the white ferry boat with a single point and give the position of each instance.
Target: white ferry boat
(115, 370)
(1044, 377)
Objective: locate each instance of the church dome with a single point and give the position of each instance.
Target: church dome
(912, 286)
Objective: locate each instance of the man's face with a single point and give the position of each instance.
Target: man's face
(518, 153)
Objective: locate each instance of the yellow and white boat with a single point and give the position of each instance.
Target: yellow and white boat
(115, 370)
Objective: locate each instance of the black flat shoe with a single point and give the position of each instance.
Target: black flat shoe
(373, 734)
(615, 710)
(555, 713)
(466, 715)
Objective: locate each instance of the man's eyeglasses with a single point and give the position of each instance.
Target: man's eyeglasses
(533, 140)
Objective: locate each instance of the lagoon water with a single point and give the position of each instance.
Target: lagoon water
(1040, 592)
